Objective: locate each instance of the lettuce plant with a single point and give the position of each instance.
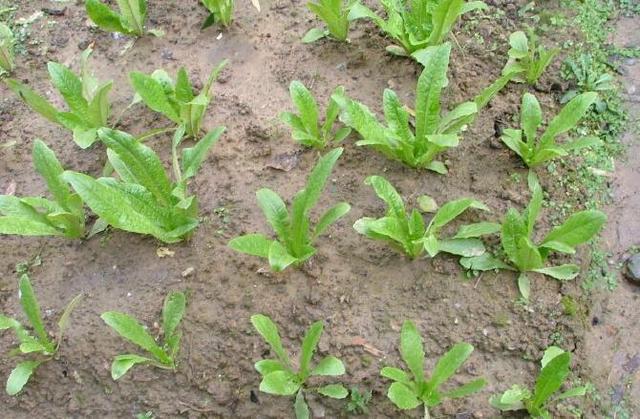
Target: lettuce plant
(295, 237)
(40, 346)
(144, 200)
(433, 133)
(161, 355)
(335, 15)
(87, 100)
(305, 127)
(417, 24)
(281, 377)
(36, 216)
(7, 49)
(527, 57)
(222, 11)
(130, 21)
(524, 255)
(176, 100)
(555, 370)
(411, 389)
(407, 232)
(533, 150)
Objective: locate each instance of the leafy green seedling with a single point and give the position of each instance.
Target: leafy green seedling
(524, 256)
(222, 11)
(335, 15)
(36, 216)
(533, 150)
(588, 78)
(144, 200)
(176, 100)
(358, 401)
(282, 378)
(554, 372)
(294, 243)
(527, 57)
(305, 127)
(407, 232)
(7, 49)
(411, 389)
(130, 21)
(41, 344)
(416, 24)
(161, 355)
(87, 100)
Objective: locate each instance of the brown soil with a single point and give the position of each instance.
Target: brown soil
(362, 290)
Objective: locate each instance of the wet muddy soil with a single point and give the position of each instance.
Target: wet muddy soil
(362, 290)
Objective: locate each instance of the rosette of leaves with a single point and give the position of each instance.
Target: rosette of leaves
(7, 49)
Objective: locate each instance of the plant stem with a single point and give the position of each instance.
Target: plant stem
(426, 412)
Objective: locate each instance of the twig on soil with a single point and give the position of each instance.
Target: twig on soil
(478, 280)
(196, 408)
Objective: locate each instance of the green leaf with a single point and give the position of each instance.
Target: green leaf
(574, 392)
(153, 95)
(193, 157)
(300, 406)
(309, 345)
(134, 13)
(66, 314)
(184, 90)
(511, 399)
(466, 389)
(569, 116)
(513, 139)
(99, 107)
(533, 209)
(462, 247)
(329, 365)
(307, 106)
(513, 228)
(48, 166)
(275, 211)
(267, 366)
(279, 257)
(451, 210)
(579, 228)
(131, 330)
(31, 309)
(430, 84)
(527, 255)
(335, 391)
(252, 244)
(427, 203)
(411, 349)
(395, 374)
(444, 16)
(485, 262)
(281, 383)
(123, 363)
(27, 227)
(524, 286)
(402, 396)
(172, 312)
(551, 378)
(562, 272)
(269, 332)
(20, 376)
(385, 191)
(449, 363)
(332, 215)
(313, 35)
(519, 45)
(550, 353)
(530, 116)
(104, 17)
(8, 323)
(477, 230)
(34, 100)
(70, 87)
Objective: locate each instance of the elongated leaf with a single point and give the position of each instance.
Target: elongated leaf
(477, 230)
(329, 365)
(66, 315)
(551, 378)
(99, 107)
(530, 117)
(361, 119)
(281, 383)
(269, 332)
(463, 114)
(267, 366)
(8, 323)
(193, 157)
(34, 100)
(385, 191)
(513, 229)
(430, 84)
(280, 258)
(300, 406)
(172, 312)
(104, 17)
(569, 116)
(397, 118)
(70, 87)
(31, 309)
(153, 95)
(313, 35)
(332, 215)
(252, 244)
(309, 345)
(574, 392)
(444, 16)
(533, 209)
(562, 272)
(134, 13)
(24, 226)
(524, 286)
(412, 350)
(466, 389)
(402, 396)
(335, 391)
(20, 376)
(484, 262)
(131, 330)
(462, 247)
(449, 363)
(307, 106)
(451, 210)
(48, 166)
(550, 353)
(275, 211)
(395, 374)
(123, 363)
(579, 228)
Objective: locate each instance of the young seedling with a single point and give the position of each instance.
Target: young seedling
(411, 389)
(305, 126)
(416, 24)
(130, 21)
(7, 49)
(524, 255)
(162, 355)
(588, 78)
(41, 343)
(176, 100)
(281, 377)
(87, 100)
(36, 216)
(144, 200)
(221, 11)
(536, 150)
(527, 57)
(294, 243)
(335, 15)
(407, 232)
(358, 401)
(434, 132)
(554, 372)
